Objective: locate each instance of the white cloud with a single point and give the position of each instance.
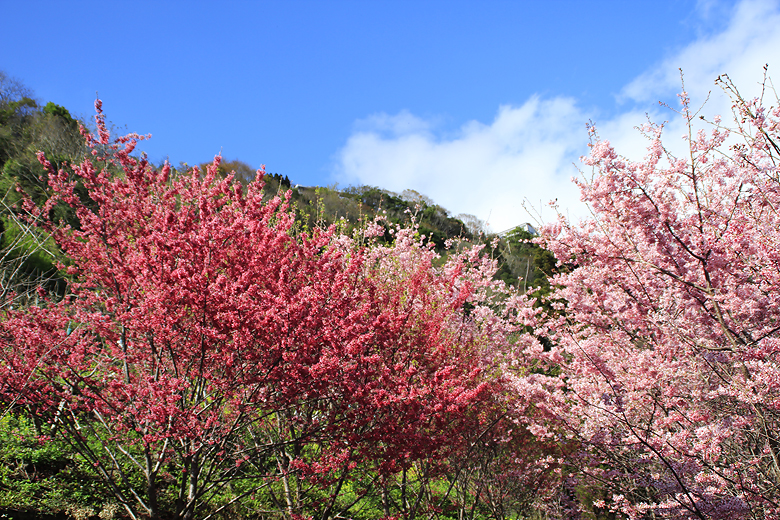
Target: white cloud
(526, 152)
(486, 170)
(751, 40)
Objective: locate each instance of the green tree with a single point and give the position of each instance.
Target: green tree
(523, 263)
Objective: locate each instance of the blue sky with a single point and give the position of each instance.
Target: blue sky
(480, 105)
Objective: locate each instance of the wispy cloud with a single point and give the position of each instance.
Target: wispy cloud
(749, 41)
(526, 152)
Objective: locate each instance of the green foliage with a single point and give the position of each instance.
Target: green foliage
(61, 112)
(242, 172)
(39, 474)
(16, 119)
(524, 264)
(433, 221)
(26, 257)
(33, 251)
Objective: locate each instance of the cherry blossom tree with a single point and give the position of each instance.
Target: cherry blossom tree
(664, 359)
(205, 342)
